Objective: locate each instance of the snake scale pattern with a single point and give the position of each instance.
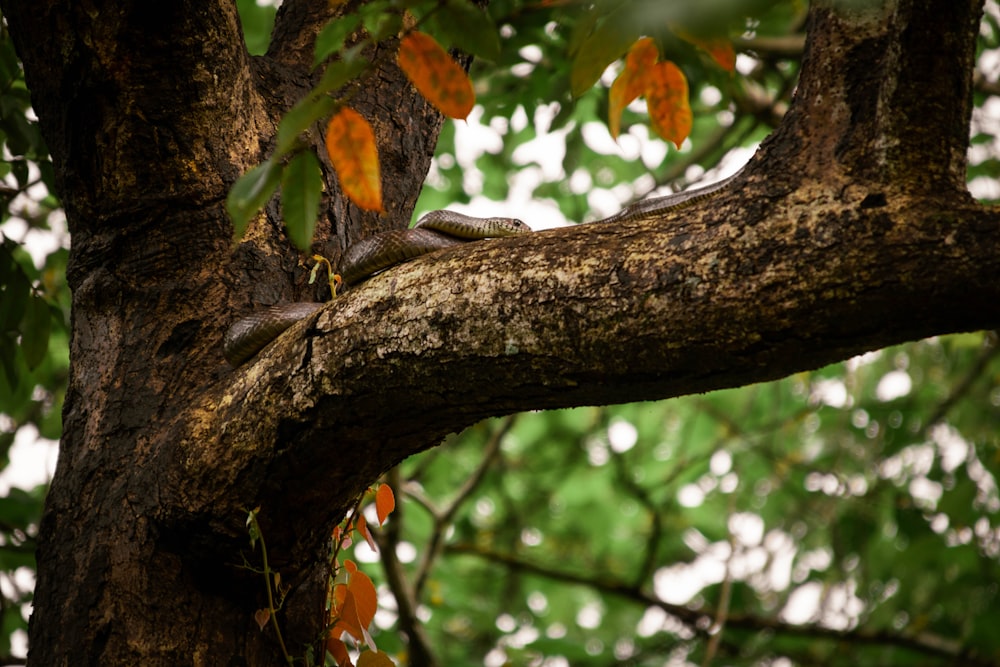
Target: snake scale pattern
(435, 231)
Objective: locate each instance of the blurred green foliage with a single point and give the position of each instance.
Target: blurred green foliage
(852, 512)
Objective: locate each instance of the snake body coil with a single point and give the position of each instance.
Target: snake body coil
(435, 231)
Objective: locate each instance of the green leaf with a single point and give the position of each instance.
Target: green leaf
(382, 25)
(301, 188)
(257, 21)
(373, 14)
(20, 509)
(10, 69)
(15, 291)
(35, 330)
(464, 25)
(606, 44)
(250, 192)
(9, 363)
(333, 36)
(306, 112)
(342, 71)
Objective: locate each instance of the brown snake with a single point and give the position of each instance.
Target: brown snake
(435, 231)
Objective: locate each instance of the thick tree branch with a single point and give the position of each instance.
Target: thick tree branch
(600, 314)
(848, 232)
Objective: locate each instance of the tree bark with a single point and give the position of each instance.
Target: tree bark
(850, 230)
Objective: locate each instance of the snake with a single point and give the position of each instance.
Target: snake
(435, 231)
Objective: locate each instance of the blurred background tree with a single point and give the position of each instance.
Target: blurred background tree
(845, 516)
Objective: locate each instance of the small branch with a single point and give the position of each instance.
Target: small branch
(272, 609)
(785, 47)
(444, 518)
(990, 350)
(420, 651)
(725, 596)
(698, 621)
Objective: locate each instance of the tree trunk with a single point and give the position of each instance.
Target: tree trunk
(850, 230)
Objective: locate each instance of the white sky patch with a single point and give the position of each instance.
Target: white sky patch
(720, 463)
(622, 436)
(39, 243)
(747, 528)
(537, 602)
(860, 360)
(834, 607)
(893, 385)
(690, 496)
(832, 392)
(32, 461)
(952, 447)
(590, 615)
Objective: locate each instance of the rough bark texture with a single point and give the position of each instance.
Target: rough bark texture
(850, 230)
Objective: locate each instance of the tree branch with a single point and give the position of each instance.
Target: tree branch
(443, 519)
(600, 314)
(700, 621)
(421, 653)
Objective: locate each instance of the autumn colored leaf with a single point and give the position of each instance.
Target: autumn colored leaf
(719, 49)
(722, 52)
(350, 143)
(667, 101)
(262, 616)
(347, 617)
(436, 75)
(375, 659)
(365, 533)
(385, 502)
(338, 649)
(631, 82)
(364, 596)
(356, 609)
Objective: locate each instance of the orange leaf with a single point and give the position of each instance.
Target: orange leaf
(350, 143)
(436, 75)
(385, 502)
(363, 529)
(262, 616)
(336, 599)
(355, 613)
(375, 659)
(722, 52)
(719, 49)
(347, 618)
(364, 597)
(667, 101)
(631, 82)
(338, 650)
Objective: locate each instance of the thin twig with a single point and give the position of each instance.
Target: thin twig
(444, 518)
(420, 651)
(698, 621)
